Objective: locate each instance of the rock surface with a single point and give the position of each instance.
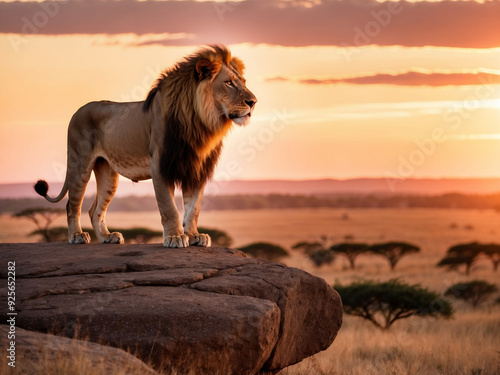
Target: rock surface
(40, 353)
(212, 310)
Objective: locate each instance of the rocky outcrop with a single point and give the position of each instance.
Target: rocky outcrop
(212, 310)
(40, 353)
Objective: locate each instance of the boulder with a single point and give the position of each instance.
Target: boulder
(208, 310)
(40, 353)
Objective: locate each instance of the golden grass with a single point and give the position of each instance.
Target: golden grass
(467, 344)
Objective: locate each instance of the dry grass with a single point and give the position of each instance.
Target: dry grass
(468, 344)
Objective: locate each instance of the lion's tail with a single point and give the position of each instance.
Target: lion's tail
(42, 188)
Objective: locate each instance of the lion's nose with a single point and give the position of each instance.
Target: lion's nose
(250, 103)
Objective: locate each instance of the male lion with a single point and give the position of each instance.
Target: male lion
(174, 137)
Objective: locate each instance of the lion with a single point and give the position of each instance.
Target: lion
(174, 137)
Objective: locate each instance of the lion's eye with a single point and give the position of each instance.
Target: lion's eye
(229, 83)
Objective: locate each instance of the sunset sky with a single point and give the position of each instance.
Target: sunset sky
(346, 89)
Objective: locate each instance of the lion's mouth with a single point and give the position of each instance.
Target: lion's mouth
(233, 116)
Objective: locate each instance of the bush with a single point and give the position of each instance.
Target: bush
(383, 303)
(318, 251)
(473, 292)
(265, 250)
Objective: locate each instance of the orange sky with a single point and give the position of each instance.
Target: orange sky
(346, 89)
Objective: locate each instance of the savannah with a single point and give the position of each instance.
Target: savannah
(468, 343)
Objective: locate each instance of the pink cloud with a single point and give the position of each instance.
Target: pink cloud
(466, 24)
(410, 78)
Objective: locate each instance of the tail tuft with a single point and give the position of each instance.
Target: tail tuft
(41, 187)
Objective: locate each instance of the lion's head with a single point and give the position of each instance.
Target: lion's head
(211, 82)
(222, 87)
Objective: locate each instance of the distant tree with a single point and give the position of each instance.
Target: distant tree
(350, 251)
(43, 219)
(265, 250)
(462, 254)
(317, 251)
(473, 292)
(51, 234)
(219, 237)
(393, 251)
(383, 303)
(492, 251)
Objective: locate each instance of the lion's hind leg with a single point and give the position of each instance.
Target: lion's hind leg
(80, 175)
(107, 183)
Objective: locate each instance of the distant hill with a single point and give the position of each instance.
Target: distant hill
(295, 187)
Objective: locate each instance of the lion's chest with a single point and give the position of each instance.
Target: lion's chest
(211, 143)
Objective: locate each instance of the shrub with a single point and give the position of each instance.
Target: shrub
(265, 250)
(473, 292)
(317, 251)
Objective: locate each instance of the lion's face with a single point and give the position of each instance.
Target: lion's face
(222, 95)
(232, 96)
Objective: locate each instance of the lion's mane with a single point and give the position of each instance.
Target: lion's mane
(191, 119)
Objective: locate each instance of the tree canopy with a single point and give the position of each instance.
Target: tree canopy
(350, 250)
(462, 254)
(383, 303)
(393, 251)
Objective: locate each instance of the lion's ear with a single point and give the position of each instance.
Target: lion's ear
(205, 69)
(238, 64)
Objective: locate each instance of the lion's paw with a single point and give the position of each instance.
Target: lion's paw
(82, 237)
(176, 241)
(200, 239)
(114, 237)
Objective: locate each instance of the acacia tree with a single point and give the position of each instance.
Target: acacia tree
(492, 251)
(317, 251)
(265, 250)
(350, 251)
(43, 219)
(383, 303)
(462, 254)
(474, 292)
(393, 251)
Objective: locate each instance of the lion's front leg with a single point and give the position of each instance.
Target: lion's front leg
(173, 235)
(192, 202)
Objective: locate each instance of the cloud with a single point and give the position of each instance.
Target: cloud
(467, 24)
(409, 78)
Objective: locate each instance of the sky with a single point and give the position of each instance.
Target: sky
(346, 89)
